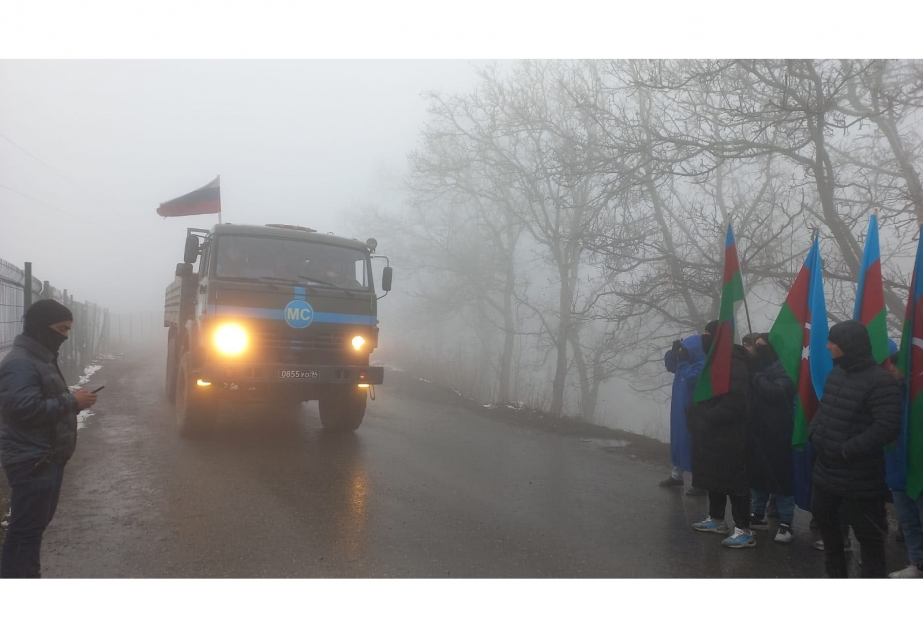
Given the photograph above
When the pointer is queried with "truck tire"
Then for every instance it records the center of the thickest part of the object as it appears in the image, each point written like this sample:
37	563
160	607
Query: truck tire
196	411
342	408
171	367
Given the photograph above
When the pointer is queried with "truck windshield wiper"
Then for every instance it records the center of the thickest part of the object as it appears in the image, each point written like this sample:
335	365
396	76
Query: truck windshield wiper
328	284
270	280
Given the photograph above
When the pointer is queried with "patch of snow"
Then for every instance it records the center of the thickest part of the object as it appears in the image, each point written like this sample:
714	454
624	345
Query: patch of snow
606	443
82	417
390	368
426	381
88	373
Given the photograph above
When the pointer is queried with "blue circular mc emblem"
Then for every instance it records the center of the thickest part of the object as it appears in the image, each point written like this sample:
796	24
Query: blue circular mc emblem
298	314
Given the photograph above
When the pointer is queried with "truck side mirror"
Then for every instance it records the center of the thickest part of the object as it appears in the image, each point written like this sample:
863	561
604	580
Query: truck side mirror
386	278
183	269
192	249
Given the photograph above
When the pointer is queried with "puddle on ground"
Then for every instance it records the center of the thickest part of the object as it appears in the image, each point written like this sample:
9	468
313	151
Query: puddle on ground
606	444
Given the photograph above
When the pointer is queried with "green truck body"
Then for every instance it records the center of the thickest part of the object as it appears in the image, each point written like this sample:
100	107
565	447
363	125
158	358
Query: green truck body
273	314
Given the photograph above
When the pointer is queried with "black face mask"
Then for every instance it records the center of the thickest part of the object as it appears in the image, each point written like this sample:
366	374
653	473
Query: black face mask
706	343
765	354
847	362
46	336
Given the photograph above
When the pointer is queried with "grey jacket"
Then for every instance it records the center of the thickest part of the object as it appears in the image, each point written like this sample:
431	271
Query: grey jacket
36	406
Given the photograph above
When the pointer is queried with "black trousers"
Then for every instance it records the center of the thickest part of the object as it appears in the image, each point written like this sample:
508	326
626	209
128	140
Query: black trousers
740	508
33	504
869	523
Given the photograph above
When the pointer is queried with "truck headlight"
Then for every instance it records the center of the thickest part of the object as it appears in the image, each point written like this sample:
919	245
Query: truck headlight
231	339
358	342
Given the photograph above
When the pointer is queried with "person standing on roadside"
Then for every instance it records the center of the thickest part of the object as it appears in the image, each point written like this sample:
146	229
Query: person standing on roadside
718	427
38	432
859	414
685	361
769	461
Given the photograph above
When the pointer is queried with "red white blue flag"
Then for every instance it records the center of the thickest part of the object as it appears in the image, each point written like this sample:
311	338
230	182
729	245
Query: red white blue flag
205	200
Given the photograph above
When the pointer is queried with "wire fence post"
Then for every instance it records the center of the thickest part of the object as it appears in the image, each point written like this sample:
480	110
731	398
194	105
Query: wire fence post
27	287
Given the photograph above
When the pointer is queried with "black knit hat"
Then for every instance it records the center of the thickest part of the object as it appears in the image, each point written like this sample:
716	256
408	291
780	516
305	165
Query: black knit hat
712	327
46	313
852	338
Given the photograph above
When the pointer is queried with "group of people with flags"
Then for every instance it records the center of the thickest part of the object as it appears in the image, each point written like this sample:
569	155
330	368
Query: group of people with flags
828	419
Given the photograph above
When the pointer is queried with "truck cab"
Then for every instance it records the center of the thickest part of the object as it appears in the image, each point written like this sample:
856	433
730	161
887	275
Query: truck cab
273	314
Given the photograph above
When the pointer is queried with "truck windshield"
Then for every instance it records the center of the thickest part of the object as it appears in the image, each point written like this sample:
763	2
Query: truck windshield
255	257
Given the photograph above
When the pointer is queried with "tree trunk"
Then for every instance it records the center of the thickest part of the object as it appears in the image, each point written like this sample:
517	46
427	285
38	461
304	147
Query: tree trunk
509	343
560	370
485	351
565	323
582	373
509	315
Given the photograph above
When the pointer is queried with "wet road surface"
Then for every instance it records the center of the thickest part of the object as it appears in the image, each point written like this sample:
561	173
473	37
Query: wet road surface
423	489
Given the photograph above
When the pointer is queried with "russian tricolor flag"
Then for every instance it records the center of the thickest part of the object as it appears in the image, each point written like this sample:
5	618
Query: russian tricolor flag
205	200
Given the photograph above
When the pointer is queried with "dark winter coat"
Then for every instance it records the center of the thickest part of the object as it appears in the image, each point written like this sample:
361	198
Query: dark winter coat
38	414
860	413
896	457
687	369
772	420
718	428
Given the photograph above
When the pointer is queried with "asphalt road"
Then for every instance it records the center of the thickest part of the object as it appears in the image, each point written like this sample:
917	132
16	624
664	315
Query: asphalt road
426	488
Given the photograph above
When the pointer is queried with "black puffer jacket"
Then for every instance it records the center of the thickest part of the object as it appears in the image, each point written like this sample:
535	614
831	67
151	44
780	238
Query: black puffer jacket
718	430
860	413
772	407
38	414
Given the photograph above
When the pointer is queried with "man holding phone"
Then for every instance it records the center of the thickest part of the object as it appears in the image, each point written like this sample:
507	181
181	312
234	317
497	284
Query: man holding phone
38	432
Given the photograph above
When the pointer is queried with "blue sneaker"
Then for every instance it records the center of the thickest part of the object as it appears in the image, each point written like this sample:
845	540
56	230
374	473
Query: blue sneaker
739	539
711	525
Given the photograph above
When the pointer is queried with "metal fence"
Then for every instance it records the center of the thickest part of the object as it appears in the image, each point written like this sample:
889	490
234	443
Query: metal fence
89	337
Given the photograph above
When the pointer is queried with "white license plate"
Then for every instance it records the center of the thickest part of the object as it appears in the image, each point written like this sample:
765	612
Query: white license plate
297	374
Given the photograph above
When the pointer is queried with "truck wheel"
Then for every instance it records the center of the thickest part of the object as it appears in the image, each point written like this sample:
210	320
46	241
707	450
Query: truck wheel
171	367
196	412
343	408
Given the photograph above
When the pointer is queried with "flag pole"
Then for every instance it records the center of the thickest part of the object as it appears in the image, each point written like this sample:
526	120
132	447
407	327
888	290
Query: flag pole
219	199
746	308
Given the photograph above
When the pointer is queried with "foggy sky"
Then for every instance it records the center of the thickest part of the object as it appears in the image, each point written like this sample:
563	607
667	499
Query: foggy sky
294	142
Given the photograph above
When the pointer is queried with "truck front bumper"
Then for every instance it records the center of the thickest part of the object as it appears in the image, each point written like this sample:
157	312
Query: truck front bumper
278	375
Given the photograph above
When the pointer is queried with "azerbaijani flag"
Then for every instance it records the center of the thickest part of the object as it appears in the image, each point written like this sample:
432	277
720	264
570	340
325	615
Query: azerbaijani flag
910	363
870	308
715	378
799	337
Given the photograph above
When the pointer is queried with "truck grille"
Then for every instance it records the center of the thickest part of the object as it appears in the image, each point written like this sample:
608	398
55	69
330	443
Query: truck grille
318	348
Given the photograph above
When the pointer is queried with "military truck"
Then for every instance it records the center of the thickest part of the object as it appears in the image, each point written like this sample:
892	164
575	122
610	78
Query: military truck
276	314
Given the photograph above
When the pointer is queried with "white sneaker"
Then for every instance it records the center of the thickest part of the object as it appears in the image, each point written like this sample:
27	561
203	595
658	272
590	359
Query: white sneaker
785	534
910	571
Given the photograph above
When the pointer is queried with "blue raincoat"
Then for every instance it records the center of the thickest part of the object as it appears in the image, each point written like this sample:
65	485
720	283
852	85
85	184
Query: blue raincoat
686	377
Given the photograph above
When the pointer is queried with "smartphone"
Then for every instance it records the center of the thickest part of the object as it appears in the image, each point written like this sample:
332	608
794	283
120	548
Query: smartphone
98	389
